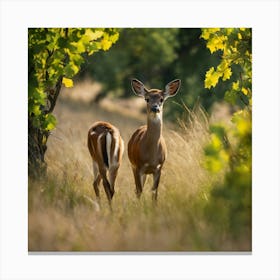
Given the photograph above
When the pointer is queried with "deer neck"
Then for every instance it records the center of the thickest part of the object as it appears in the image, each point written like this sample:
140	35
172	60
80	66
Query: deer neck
154	129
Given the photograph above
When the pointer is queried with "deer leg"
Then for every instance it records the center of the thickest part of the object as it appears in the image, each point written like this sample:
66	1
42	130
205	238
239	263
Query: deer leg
96	180
95	186
106	184
156	176
107	188
113	171
143	180
138	182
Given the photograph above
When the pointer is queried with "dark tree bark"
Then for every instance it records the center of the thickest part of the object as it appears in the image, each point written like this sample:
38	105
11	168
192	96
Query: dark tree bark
37	137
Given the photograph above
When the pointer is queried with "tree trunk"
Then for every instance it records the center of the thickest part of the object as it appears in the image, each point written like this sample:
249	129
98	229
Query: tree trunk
37	147
37	137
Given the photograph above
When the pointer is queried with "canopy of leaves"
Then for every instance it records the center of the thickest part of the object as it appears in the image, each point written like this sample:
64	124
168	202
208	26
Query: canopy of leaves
235	47
55	56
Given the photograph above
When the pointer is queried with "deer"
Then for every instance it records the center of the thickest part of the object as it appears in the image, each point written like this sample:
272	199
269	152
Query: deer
106	148
146	148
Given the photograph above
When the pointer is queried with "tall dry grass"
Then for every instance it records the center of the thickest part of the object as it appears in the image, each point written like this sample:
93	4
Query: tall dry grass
64	215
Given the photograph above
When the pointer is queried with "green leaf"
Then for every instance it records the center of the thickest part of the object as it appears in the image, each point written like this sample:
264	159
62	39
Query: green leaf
224	69
211	78
244	91
35	110
93	47
39	96
71	69
216	43
106	44
231	97
50	122
208	32
235	86
67	82
93	35
80	46
227	74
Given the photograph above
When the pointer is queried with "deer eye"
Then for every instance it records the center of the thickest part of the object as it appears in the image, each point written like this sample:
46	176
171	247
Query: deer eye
161	100
147	99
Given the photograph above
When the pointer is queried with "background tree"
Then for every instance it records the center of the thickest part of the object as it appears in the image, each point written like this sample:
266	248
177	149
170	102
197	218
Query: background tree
54	58
156	56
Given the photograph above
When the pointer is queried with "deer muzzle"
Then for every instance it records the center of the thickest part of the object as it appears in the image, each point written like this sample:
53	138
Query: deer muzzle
155	109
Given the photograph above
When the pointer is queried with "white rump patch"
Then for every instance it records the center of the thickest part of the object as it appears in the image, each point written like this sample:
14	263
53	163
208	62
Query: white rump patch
108	147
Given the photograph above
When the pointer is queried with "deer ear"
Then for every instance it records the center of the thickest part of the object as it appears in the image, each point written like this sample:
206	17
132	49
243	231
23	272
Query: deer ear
172	88
138	87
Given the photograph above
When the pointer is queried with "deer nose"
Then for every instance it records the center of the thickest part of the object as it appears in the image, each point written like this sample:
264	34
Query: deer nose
155	109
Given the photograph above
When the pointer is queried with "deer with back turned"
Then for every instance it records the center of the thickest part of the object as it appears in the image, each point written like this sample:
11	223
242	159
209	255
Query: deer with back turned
106	148
146	147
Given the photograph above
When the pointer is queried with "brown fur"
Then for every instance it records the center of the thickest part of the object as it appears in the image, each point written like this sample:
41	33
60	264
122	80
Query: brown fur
146	147
102	161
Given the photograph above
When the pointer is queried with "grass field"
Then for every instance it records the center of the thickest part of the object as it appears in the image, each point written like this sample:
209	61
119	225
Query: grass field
64	214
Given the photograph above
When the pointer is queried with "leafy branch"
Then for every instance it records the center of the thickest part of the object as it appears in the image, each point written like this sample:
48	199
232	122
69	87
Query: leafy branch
233	196
55	57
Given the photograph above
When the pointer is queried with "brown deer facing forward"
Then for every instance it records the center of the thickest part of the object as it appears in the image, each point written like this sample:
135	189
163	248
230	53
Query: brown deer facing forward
106	149
146	147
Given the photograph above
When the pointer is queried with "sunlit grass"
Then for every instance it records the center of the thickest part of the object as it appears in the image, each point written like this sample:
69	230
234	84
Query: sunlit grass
64	214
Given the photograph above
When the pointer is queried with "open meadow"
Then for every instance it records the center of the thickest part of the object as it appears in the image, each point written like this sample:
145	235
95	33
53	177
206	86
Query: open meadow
65	216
